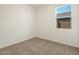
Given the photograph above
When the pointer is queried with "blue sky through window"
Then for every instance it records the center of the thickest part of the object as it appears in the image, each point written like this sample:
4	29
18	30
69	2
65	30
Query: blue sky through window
66	8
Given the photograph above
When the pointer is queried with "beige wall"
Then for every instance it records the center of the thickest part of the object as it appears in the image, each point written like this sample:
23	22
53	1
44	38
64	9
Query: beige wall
22	22
47	26
17	23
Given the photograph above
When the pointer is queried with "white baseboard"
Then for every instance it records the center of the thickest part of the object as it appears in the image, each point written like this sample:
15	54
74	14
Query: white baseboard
15	42
76	46
27	38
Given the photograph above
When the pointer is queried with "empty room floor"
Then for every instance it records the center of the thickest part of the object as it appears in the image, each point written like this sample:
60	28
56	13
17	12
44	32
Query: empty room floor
38	46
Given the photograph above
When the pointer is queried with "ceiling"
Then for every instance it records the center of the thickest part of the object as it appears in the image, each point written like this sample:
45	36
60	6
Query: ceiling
38	5
42	5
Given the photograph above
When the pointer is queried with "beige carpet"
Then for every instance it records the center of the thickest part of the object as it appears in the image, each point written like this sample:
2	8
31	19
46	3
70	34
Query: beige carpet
37	46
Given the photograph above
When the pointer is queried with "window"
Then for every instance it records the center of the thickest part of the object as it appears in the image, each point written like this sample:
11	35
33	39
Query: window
63	16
